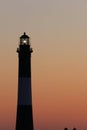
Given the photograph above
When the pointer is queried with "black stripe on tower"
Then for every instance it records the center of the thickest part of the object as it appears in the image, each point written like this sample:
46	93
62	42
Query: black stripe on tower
25	61
24	118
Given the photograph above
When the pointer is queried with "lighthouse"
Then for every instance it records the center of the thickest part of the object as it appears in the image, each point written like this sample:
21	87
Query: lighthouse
24	119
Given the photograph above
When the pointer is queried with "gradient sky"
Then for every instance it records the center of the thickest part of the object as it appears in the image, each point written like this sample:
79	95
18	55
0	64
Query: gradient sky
58	31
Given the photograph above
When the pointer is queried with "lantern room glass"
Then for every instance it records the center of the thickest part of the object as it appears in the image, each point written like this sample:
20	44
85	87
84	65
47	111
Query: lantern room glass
24	41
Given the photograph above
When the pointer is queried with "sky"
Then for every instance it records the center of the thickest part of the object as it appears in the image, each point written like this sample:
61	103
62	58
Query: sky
58	35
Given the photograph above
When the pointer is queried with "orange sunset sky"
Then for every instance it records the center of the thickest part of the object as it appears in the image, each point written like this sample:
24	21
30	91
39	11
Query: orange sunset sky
58	32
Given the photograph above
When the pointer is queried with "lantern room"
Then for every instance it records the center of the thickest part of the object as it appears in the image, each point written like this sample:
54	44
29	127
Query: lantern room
24	39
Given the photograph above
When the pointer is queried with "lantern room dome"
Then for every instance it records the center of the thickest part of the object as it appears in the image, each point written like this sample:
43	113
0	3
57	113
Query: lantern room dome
24	36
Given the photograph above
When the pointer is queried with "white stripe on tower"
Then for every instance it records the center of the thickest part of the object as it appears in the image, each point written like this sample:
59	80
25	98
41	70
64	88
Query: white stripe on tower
24	91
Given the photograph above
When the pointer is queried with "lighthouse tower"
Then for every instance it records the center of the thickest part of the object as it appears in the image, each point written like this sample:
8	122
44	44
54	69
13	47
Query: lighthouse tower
24	120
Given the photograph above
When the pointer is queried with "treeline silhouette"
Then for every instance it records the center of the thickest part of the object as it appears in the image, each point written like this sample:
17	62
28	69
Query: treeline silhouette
67	129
